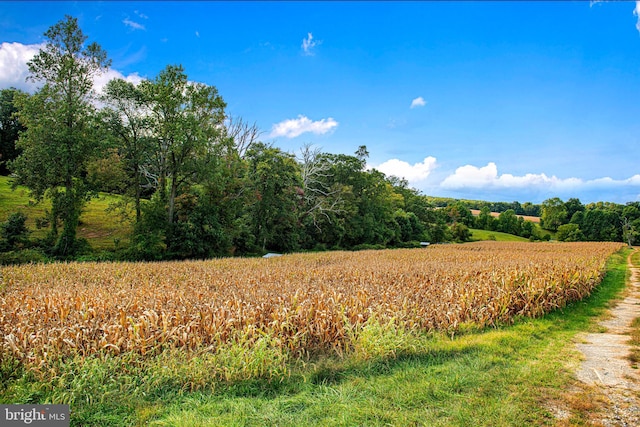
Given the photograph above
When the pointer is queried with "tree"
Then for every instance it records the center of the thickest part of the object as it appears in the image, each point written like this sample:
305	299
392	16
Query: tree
554	214
10	127
60	136
275	181
127	117
573	205
569	233
321	198
460	232
14	231
508	222
458	212
188	119
484	221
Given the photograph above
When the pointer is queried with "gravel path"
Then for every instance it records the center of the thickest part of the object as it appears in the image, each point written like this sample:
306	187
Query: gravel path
606	367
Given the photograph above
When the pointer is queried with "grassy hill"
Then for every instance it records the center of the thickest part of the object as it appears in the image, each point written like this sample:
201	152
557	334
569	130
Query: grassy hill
99	227
477	235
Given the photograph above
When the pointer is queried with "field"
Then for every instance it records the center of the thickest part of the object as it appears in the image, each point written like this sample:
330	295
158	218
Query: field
535	219
477	235
305	303
395	337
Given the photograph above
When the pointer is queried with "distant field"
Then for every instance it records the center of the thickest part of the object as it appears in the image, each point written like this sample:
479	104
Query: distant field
98	226
477	234
535	219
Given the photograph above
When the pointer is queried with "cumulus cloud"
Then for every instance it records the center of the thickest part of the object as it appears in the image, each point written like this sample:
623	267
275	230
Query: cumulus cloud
133	25
485	183
14	69
412	173
291	128
636	12
308	44
418	102
101	80
13	64
487	177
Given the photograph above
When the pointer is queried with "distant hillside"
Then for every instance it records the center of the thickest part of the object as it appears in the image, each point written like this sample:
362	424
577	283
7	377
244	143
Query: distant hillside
535	219
101	228
494	235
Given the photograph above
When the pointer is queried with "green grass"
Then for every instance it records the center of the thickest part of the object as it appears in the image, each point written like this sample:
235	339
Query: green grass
477	235
99	227
506	376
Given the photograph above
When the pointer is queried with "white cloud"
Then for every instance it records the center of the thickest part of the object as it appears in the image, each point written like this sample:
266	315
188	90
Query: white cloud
308	44
14	69
13	64
100	81
140	14
636	12
412	173
294	127
418	102
487	177
133	25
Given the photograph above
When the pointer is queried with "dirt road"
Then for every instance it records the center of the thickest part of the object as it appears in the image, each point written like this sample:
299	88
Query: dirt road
606	368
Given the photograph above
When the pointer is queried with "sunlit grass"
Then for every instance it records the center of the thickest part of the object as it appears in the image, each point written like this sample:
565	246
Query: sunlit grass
101	228
477	234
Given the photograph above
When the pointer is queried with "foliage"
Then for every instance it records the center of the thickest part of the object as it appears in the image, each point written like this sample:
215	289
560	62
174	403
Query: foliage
460	232
14	232
60	136
569	233
554	214
24	256
10	127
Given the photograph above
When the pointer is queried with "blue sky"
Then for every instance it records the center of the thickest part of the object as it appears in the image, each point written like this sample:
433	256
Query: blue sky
496	101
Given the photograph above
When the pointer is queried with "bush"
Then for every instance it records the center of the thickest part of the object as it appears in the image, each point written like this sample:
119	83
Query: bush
14	231
569	233
24	256
460	232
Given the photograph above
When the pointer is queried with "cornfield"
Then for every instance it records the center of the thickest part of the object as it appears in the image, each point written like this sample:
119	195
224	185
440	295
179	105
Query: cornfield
303	302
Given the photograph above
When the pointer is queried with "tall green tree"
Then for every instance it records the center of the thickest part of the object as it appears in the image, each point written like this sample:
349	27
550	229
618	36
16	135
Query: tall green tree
127	117
10	127
60	136
188	121
508	222
554	214
275	179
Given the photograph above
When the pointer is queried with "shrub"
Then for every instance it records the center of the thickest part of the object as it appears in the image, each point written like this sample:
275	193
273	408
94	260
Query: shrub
24	256
14	232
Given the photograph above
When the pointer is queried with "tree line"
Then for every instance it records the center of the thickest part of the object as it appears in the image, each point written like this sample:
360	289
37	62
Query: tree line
196	183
